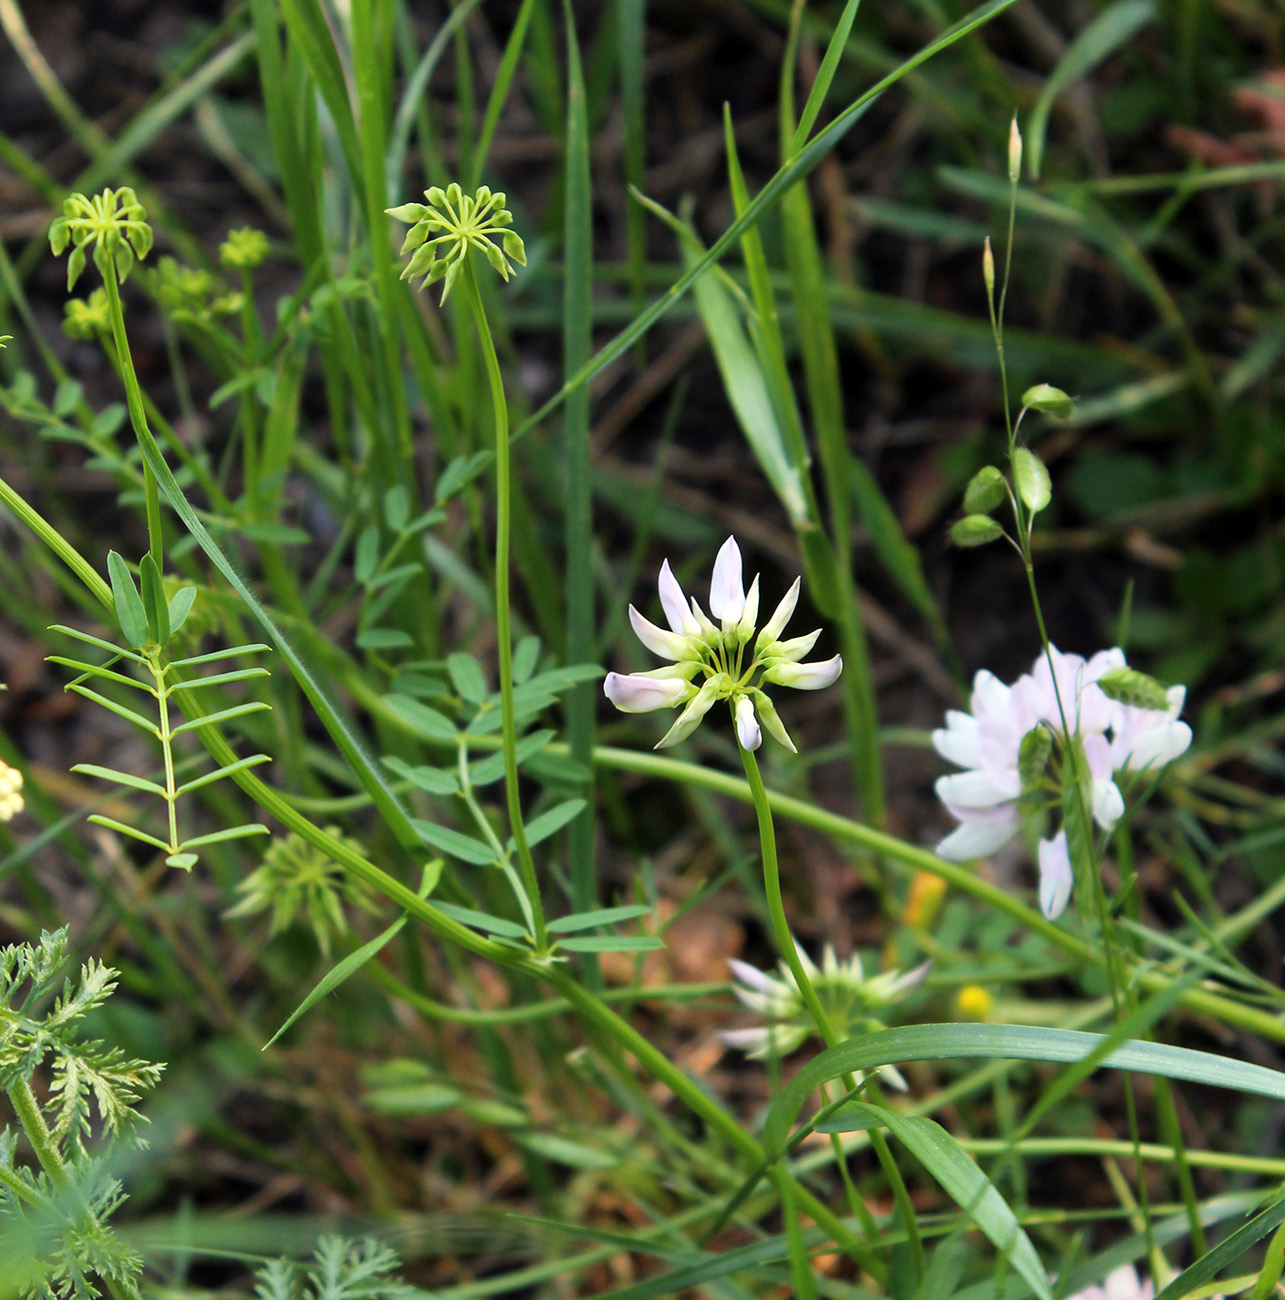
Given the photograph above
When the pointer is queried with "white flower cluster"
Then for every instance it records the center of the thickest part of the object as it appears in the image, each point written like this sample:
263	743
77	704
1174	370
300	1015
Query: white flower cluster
718	654
1121	1284
10	792
1114	737
845	992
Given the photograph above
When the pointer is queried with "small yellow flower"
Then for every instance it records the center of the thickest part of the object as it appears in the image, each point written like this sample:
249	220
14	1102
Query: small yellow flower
973	1002
10	792
926	893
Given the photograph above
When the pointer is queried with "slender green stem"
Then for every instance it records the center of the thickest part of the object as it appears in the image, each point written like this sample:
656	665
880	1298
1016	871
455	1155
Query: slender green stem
790	954
1121	1002
137	414
503	625
166	739
785	944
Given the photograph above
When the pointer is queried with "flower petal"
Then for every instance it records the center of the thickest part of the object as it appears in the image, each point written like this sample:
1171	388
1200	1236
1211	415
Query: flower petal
790	651
769	717
1158	746
748	731
978	789
979	836
806	677
726	591
960	740
749	615
674	603
1055	876
668	645
632	693
775	625
1108	802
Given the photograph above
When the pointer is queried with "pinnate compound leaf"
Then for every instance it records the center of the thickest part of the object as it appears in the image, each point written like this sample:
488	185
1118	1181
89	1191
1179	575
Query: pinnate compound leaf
154	603
129	604
453	843
599	916
181	607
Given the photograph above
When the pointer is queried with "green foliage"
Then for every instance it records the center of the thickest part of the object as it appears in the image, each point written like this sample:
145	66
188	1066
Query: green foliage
975	530
55	1221
301	884
149	623
339	1270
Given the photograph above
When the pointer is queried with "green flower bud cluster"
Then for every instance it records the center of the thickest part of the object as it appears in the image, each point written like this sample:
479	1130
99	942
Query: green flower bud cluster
244	249
85	319
113	223
442	232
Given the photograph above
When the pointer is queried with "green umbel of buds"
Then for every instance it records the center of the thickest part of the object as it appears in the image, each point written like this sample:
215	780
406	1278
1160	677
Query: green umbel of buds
243	249
85	319
442	232
112	222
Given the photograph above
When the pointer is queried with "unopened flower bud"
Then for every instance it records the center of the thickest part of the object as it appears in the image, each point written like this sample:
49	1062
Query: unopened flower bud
1014	152
988	267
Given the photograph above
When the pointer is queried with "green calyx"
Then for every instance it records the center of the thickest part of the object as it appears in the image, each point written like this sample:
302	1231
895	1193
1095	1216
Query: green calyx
443	230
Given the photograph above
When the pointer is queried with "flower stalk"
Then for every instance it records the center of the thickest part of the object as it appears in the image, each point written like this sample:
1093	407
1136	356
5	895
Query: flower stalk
503	618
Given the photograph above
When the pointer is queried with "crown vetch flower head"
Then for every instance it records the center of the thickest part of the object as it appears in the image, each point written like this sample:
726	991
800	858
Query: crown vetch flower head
112	222
849	996
1117	718
709	658
443	230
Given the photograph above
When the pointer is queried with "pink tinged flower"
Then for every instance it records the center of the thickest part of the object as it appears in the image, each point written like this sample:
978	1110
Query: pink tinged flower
775	625
1121	1284
668	645
1085	705
805	677
726	590
747	726
678	612
635	693
1055	876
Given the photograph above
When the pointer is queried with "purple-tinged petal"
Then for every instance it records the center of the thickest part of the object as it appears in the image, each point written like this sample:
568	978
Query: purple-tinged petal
1055	876
631	693
668	645
775	625
726	590
674	603
806	677
748	731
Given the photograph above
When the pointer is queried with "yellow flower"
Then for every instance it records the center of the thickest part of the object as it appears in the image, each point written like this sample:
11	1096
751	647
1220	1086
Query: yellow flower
10	792
973	1002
